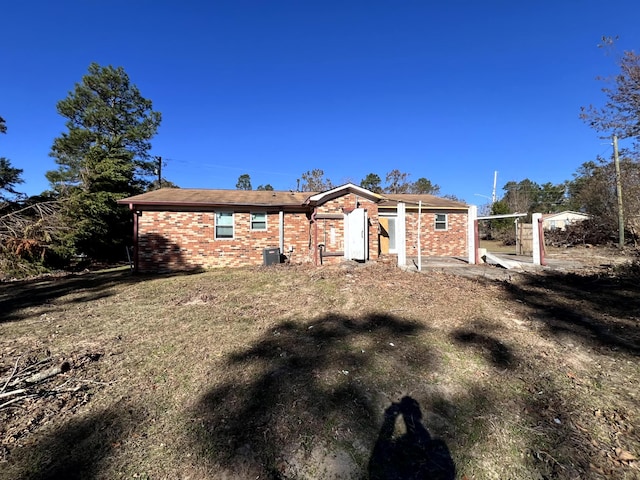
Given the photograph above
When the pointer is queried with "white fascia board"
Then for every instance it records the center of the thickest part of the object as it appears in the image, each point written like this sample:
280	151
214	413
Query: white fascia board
341	190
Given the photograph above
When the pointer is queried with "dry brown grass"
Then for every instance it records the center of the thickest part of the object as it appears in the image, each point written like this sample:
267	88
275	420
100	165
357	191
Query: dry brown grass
286	372
497	246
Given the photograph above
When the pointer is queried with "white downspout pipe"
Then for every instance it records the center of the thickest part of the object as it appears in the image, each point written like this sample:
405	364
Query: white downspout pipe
281	230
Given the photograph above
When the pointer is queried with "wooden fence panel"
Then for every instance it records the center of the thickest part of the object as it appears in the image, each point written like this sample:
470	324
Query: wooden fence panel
524	240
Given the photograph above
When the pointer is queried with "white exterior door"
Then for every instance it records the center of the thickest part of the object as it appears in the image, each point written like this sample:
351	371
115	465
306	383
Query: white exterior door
356	235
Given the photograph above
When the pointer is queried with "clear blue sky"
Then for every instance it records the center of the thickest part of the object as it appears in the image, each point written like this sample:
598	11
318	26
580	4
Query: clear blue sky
449	90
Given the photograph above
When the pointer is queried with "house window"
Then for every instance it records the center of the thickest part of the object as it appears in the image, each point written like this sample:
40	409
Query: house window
441	221
259	221
224	225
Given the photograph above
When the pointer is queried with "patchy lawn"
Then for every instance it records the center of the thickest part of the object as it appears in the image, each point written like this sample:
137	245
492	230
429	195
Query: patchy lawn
334	372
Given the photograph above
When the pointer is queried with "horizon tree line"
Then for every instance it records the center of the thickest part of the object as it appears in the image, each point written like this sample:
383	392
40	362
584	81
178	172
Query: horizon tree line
104	155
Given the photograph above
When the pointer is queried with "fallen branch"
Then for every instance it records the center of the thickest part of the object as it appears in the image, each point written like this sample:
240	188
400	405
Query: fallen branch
6	404
35	365
18	377
12	393
26	383
77	388
15	369
94	382
51	372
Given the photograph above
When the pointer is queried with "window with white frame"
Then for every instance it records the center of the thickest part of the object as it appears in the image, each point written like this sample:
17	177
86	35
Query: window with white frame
441	221
259	221
224	225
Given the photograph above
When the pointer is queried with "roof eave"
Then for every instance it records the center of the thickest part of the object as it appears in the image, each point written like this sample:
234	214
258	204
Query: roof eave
414	206
134	204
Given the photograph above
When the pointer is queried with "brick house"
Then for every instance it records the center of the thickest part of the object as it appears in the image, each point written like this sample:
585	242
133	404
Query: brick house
178	229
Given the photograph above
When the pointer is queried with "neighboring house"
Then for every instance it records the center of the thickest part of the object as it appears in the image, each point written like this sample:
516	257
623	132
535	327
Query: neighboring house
552	221
185	228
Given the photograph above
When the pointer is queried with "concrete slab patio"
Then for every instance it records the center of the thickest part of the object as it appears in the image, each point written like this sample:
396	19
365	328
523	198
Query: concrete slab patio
459	266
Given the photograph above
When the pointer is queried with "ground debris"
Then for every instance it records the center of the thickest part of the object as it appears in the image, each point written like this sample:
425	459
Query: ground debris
38	387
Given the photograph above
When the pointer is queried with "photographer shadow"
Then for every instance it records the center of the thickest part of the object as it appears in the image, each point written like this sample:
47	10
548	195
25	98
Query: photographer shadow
413	455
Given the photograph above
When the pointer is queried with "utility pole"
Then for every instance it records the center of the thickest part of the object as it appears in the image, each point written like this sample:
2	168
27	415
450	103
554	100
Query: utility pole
493	193
619	192
159	159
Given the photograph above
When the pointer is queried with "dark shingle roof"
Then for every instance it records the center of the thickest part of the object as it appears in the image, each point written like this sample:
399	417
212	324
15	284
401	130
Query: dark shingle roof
203	198
189	197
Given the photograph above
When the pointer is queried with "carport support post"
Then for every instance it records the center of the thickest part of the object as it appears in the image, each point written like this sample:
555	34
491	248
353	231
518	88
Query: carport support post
536	220
472	221
401	234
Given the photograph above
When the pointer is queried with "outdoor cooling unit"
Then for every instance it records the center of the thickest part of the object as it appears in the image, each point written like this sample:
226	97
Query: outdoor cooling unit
271	256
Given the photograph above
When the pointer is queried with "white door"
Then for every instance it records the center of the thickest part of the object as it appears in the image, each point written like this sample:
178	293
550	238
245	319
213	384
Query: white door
356	235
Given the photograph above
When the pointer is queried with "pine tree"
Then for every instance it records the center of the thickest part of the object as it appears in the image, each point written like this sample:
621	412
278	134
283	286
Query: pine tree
424	185
9	175
244	182
103	157
372	183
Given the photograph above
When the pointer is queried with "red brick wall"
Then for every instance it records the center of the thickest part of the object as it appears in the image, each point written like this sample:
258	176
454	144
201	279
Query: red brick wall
330	231
438	243
173	240
183	240
298	234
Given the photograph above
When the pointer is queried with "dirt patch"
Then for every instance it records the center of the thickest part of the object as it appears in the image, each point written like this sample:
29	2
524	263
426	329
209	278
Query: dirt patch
294	371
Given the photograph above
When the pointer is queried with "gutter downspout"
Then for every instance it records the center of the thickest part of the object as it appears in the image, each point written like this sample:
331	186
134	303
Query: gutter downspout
281	227
315	235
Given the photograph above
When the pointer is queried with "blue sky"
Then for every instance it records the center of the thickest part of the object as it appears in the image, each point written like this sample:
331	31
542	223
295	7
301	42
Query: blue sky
448	90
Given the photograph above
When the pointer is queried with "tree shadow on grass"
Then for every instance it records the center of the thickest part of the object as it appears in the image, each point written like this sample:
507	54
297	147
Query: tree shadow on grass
18	295
80	449
596	310
478	335
307	396
543	403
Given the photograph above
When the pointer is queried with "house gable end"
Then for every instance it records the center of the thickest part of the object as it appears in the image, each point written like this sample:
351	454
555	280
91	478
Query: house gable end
347	188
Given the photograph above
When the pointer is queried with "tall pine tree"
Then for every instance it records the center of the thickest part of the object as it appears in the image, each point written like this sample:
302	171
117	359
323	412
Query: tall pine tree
9	176
104	156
